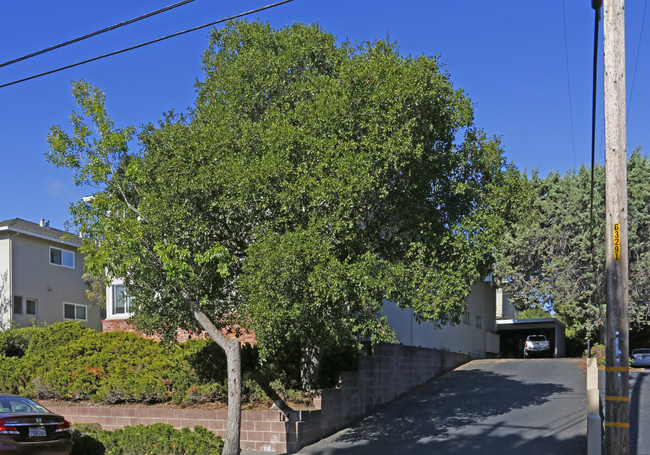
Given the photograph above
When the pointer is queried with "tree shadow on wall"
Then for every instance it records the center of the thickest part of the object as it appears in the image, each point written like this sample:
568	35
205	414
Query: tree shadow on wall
430	420
5	302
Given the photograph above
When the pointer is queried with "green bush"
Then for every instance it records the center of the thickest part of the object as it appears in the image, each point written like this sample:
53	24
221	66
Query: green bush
598	351
55	336
13	375
14	342
66	361
156	439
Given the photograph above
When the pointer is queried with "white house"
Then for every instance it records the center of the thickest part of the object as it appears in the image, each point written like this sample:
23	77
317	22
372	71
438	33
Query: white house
476	334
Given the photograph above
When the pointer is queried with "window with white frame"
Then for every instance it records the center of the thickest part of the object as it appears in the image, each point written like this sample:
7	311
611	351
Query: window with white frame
121	300
31	307
61	257
466	317
479	322
75	312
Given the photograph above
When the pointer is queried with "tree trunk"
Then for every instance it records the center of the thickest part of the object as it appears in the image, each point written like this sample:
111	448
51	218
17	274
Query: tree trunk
232	348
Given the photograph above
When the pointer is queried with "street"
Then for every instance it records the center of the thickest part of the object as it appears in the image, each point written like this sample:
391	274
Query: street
486	407
639	409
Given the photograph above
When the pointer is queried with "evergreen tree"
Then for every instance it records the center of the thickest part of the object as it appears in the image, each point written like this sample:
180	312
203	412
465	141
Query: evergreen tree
555	259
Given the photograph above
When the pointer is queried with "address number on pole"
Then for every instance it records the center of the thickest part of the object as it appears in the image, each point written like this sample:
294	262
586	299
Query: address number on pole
617	242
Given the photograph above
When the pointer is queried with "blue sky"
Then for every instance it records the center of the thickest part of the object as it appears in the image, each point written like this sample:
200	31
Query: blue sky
527	73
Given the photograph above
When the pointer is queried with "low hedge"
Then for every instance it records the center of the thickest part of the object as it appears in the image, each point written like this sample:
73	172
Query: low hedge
156	439
66	361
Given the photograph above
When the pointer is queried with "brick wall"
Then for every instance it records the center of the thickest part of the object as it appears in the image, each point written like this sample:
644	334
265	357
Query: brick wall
391	371
260	430
234	332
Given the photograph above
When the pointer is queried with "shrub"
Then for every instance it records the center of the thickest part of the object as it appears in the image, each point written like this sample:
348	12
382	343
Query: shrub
113	367
156	439
598	351
53	337
66	361
86	439
14	342
13	376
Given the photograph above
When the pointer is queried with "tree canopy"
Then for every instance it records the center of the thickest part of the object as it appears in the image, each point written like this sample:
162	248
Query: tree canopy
311	181
554	259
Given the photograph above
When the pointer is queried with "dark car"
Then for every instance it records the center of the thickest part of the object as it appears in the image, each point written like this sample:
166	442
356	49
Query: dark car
27	427
641	357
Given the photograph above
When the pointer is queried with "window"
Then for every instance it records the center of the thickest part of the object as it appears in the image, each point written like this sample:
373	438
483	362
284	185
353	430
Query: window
466	317
61	257
30	307
18	304
121	300
75	312
479	322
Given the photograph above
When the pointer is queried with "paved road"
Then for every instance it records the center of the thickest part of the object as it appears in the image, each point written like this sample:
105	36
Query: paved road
504	407
639	410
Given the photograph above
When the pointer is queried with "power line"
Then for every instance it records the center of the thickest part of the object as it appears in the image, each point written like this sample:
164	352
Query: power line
137	46
636	61
596	5
98	32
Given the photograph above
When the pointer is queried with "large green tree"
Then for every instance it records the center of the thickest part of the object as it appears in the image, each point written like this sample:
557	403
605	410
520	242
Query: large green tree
555	259
310	182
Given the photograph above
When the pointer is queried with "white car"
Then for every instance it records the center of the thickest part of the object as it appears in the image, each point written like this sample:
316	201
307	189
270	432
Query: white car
537	345
641	357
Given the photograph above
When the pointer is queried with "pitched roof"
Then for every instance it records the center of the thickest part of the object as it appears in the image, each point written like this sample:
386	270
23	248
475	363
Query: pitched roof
36	230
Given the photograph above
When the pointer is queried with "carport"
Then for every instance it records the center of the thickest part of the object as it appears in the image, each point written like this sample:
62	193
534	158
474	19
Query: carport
513	333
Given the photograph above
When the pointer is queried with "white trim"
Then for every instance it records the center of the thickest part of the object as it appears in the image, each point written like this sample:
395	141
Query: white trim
75	305
41	236
110	300
35	315
49	257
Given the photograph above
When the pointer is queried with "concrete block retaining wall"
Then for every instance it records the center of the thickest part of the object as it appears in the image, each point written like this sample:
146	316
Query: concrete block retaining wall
391	371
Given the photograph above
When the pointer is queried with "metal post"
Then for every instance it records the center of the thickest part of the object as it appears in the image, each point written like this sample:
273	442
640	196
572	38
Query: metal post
617	407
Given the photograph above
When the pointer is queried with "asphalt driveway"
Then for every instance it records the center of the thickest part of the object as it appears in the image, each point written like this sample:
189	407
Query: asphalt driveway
486	407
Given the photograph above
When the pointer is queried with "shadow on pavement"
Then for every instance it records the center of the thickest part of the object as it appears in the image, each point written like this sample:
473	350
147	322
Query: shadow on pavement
459	414
635	407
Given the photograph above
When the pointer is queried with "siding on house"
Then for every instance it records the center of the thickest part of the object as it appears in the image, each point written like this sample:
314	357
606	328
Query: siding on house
42	290
474	335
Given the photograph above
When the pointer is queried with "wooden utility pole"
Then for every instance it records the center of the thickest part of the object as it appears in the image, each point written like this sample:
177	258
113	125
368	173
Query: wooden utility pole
617	404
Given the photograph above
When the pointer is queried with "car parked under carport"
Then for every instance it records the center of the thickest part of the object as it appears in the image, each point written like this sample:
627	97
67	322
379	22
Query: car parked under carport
513	334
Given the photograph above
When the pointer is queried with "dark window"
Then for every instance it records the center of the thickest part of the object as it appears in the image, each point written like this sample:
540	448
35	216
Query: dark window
18	304
74	311
61	257
30	307
68	311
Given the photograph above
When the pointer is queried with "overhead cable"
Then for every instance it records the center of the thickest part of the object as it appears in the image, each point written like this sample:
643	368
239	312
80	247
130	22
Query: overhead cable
98	32
596	5
636	61
137	46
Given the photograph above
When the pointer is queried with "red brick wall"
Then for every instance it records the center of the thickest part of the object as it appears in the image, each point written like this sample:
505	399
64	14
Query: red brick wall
234	332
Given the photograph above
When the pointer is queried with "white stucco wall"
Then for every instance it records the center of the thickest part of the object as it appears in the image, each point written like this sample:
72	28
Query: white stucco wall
504	309
461	337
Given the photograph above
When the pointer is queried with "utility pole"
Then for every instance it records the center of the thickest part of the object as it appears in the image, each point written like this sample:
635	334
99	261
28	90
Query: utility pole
617	394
